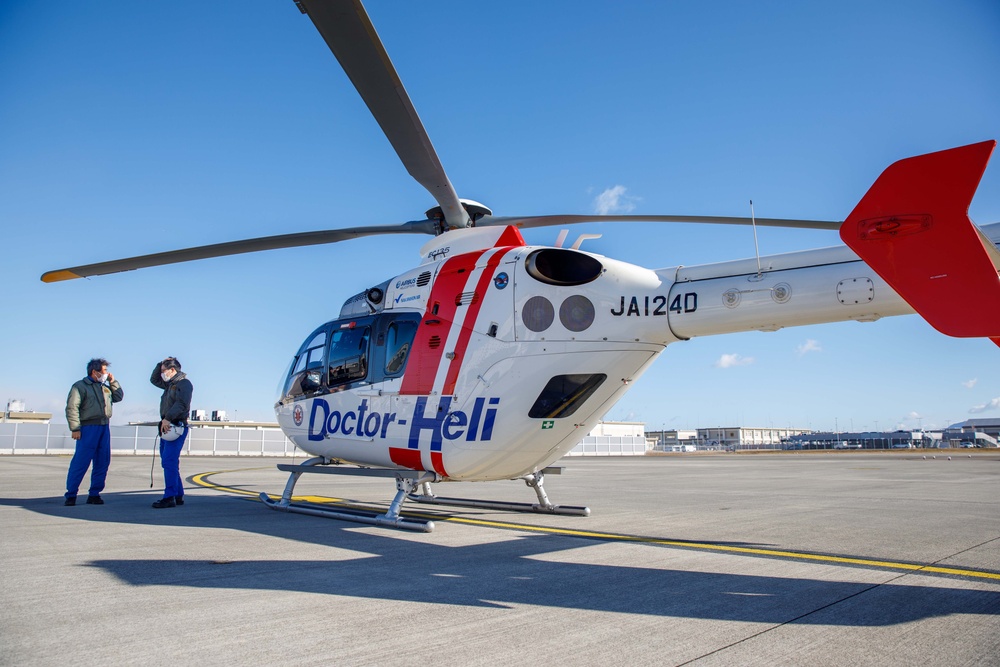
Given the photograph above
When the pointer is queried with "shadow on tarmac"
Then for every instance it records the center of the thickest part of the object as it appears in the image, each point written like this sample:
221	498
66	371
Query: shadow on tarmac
497	574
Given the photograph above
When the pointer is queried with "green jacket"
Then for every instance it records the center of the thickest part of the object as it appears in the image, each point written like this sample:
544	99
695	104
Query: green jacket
90	402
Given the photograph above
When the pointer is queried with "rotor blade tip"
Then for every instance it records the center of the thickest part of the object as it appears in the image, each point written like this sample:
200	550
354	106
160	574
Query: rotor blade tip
56	276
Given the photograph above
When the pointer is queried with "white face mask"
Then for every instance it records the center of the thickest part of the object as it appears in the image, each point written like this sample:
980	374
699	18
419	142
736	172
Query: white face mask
165	376
103	378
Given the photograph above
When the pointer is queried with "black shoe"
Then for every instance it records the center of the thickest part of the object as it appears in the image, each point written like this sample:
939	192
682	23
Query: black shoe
70	502
95	500
165	502
179	500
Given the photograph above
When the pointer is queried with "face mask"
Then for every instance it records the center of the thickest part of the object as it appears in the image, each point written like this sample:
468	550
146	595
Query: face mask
103	378
165	377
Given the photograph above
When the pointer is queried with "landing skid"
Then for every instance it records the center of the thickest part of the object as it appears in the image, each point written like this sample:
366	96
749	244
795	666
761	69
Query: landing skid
412	485
391	518
534	480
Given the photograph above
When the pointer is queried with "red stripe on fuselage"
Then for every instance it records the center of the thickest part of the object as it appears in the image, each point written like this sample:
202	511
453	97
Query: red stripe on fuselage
422	367
408	458
469	322
437	461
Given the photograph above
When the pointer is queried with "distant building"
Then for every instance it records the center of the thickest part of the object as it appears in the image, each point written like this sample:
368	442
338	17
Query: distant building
737	438
978	432
866	440
728	438
16	413
674	440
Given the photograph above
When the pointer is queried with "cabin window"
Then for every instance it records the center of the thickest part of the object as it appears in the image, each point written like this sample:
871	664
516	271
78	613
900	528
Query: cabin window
564	394
308	359
348	355
306	375
398	341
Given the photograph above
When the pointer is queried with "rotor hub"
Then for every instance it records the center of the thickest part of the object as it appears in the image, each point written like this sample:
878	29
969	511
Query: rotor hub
473	208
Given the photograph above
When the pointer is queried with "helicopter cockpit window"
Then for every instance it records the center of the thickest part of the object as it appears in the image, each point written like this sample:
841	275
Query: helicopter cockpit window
306	375
348	355
564	394
398	341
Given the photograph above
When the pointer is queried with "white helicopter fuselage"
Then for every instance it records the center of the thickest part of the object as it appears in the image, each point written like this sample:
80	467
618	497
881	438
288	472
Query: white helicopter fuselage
493	359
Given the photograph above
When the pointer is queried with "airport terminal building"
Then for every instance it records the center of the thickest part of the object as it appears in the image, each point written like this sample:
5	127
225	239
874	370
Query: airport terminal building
728	438
973	433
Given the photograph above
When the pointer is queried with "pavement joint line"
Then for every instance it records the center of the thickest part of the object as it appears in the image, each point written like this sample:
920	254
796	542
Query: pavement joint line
201	479
793	620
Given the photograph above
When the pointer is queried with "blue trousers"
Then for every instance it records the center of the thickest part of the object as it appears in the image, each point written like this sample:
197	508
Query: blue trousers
94	446
170	459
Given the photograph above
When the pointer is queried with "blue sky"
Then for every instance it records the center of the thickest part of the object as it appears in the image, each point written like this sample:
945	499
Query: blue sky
128	128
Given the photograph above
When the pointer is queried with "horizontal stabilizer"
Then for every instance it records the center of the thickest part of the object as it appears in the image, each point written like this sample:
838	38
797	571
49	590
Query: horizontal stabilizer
913	229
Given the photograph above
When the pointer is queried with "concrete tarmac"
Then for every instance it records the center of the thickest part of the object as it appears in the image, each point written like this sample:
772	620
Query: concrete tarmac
846	558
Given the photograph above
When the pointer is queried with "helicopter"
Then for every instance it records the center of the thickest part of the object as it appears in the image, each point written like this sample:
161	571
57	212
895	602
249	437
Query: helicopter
492	358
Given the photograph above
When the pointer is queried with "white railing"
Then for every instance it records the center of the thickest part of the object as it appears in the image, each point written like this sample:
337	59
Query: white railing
26	438
611	445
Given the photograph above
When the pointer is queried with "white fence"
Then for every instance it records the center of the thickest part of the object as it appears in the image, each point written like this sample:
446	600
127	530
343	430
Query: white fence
611	445
26	438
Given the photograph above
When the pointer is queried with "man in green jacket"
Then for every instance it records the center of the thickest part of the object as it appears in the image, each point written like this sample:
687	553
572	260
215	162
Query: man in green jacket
88	413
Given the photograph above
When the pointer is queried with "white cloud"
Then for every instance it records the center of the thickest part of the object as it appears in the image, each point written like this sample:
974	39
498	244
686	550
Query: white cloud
731	360
614	200
910	421
992	405
809	346
969	384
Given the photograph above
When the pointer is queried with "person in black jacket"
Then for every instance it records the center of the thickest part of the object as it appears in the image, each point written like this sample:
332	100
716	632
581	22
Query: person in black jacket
175	406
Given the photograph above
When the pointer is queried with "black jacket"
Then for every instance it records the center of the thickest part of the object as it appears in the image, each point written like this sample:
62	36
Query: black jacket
175	404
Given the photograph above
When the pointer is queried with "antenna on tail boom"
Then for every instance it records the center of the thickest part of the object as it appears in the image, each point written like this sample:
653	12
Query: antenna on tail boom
756	248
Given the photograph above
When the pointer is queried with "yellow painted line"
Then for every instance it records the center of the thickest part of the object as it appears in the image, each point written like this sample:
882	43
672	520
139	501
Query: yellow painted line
775	553
202	480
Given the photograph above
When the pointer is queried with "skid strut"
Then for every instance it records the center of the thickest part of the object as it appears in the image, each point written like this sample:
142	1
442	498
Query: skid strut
534	480
404	486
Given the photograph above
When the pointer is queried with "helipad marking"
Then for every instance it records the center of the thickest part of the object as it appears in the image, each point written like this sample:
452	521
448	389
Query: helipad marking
202	480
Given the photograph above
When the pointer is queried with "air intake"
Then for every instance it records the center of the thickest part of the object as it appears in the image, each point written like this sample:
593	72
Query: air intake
565	268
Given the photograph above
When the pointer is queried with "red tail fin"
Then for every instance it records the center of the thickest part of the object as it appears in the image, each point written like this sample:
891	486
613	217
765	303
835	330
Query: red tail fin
913	229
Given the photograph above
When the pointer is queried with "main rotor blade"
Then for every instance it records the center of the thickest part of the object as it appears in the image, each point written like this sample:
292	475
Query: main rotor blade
349	33
237	248
528	222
